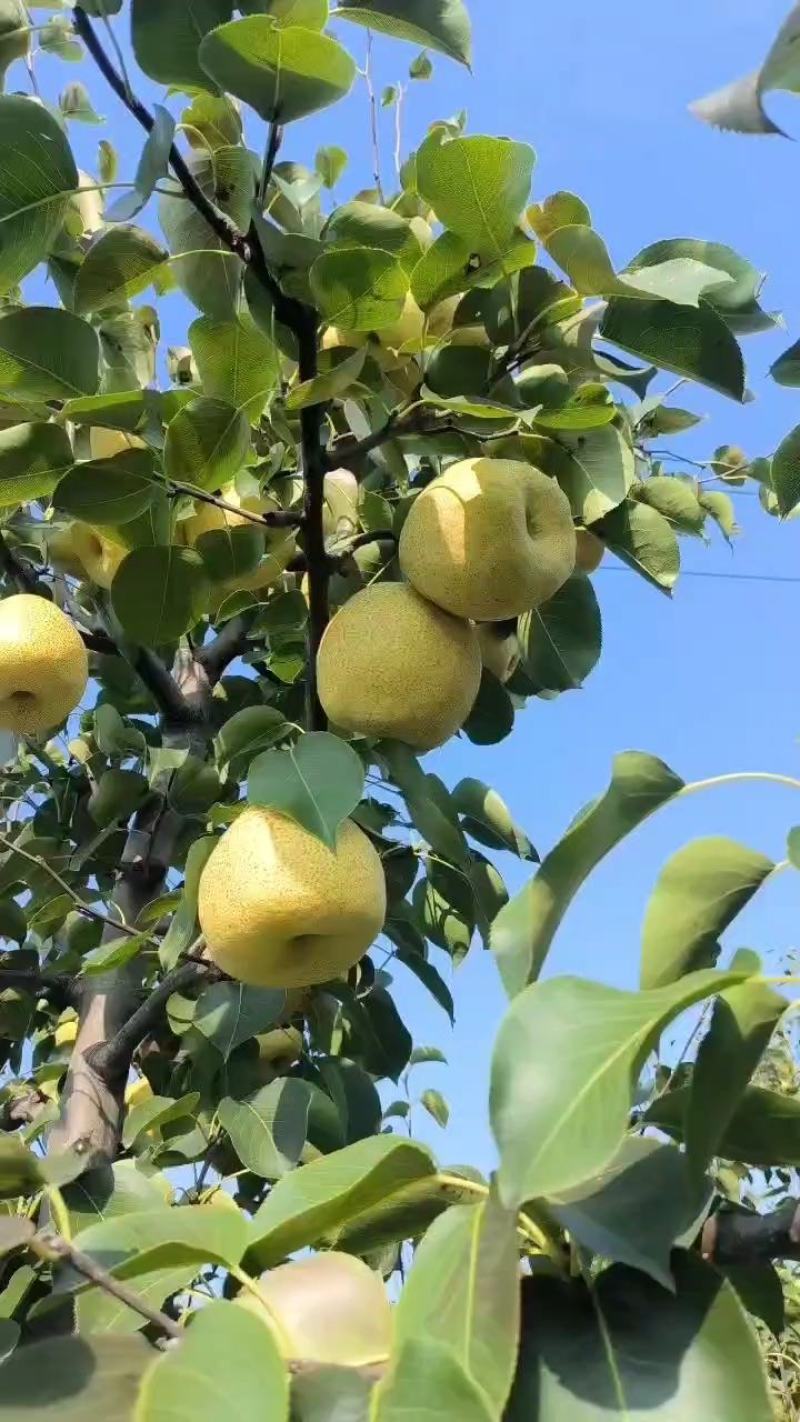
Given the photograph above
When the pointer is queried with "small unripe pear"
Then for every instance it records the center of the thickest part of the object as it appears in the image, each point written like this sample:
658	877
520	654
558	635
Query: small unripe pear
329	1308
43	665
280	1048
500	651
589	550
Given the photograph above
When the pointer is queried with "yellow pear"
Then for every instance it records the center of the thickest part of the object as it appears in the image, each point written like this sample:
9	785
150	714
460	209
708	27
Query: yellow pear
329	1308
489	539
104	444
408	328
208	518
280	909
589	550
62	551
340	512
500	651
392	664
99	555
440	326
66	1032
137	1092
280	1048
43	665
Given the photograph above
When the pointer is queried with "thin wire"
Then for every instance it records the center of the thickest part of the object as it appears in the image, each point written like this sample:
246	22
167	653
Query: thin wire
698	573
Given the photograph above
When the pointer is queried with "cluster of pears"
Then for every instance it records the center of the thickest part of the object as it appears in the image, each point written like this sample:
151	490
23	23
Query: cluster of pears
485	541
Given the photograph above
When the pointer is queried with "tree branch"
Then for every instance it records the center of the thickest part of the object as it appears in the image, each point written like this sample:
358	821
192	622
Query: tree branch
738	1237
52	1247
277	518
82	907
313	462
274	140
229	644
112	1059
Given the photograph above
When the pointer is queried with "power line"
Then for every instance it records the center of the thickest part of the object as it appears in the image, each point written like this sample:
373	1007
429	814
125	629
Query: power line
699	573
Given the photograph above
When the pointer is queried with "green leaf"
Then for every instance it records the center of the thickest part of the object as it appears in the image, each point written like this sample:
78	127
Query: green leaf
318	782
328	386
743	1022
641	537
677	499
421	67
230	1013
739	106
331	163
73	1379
284	73
366	224
427	1370
155	1112
32	460
135	1244
693	343
477	187
488	819
359	289
206	444
113	736
436	1106
623	1346
309	14
47	354
19	1168
451	265
463	1292
114	954
15	35
203	265
108	491
492	716
596	471
158	593
442	25
227	1364
561	209
558	1129
763	1131
115	796
229	553
331	1394
332	1192
582	254
785	472
699	893
123	262
760	1289
166	38
634	1210
183	924
736	299
13	923
153	165
37	180
562	639
9	1331
786	369
236	363
248	731
74	103
793	846
268	1130
525	928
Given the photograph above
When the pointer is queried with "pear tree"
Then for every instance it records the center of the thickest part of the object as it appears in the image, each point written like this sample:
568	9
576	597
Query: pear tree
247	583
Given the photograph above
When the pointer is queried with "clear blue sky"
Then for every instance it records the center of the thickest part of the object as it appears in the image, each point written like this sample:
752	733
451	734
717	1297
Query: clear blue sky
709	681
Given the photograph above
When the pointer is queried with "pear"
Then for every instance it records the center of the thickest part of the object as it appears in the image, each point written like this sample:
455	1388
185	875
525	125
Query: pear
489	539
340	511
66	1032
104	444
43	665
328	1308
138	1092
392	664
280	1048
500	650
99	555
280	909
589	550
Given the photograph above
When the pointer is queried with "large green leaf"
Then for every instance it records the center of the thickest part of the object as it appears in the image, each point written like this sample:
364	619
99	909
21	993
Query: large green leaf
556	1129
111	1191
37	178
231	1013
32	460
736	299
206	444
623	1346
596	470
582	254
133	1244
742	1024
739	106
643	539
74	1379
699	893
48	354
227	1365
477	187
268	1130
764	1129
108	491
366	224
236	362
525	928
318	782
634	1210
488	819
159	593
463	1292
283	72
695	343
436	24
203	265
253	729
359	288
166	38
785	472
326	1197
121	263
561	640
156	1111
183	924
427	1378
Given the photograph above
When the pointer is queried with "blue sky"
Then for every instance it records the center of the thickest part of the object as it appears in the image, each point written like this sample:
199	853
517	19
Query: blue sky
709	681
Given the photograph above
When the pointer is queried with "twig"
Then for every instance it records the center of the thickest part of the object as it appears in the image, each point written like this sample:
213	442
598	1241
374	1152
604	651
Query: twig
738	1237
398	133
229	644
53	1247
59	987
373	118
82	907
277	518
313	462
378	535
347	451
274	140
111	1059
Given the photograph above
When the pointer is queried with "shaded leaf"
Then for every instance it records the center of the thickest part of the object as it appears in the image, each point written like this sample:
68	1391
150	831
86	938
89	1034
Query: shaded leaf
158	593
429	1370
33	457
692	342
442	25
488	819
236	362
37	180
785	472
155	1112
561	640
644	540
328	386
268	1130
206	444
123	262
231	1013
764	1129
183	924
108	491
596	471
166	37
73	1379
359	289
317	783
152	166
47	353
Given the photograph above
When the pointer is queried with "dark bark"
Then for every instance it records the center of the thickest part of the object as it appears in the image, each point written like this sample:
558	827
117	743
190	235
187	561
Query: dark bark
738	1237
